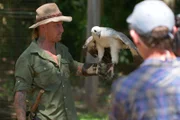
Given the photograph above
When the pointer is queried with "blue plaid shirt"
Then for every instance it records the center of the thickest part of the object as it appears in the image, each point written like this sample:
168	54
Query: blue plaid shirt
152	92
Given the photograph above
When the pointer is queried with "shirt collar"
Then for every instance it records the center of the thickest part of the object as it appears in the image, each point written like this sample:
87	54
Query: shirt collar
34	48
158	62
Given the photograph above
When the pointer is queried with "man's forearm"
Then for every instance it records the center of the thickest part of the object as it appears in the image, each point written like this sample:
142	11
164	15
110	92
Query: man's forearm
20	105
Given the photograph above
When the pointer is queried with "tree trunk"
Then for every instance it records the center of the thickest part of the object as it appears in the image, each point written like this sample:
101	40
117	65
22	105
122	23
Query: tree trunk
91	83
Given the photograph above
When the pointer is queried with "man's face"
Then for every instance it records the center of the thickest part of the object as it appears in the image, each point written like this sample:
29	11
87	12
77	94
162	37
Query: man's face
54	31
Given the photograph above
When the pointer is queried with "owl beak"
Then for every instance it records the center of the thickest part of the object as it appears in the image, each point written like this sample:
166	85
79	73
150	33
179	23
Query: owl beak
99	34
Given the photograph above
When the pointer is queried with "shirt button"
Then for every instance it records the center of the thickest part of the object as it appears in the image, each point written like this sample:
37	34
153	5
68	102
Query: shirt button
64	97
63	85
66	108
44	68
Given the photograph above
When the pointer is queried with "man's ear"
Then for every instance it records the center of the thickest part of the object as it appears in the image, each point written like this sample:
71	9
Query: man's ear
134	36
175	29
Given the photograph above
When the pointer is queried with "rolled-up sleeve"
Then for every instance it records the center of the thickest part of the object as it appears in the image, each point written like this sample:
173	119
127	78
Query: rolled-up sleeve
23	75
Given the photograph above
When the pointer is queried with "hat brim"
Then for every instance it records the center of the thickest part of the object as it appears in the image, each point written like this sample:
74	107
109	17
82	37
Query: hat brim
54	19
129	19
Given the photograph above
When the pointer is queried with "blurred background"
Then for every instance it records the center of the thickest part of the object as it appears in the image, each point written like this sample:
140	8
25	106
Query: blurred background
91	94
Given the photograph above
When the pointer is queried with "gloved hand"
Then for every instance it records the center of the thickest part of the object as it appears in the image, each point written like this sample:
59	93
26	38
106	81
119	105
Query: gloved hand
100	69
89	69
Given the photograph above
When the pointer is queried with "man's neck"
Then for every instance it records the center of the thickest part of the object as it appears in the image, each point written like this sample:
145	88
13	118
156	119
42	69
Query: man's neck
46	45
161	54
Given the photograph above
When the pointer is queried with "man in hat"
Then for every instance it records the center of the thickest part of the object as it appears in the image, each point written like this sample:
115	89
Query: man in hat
152	91
46	65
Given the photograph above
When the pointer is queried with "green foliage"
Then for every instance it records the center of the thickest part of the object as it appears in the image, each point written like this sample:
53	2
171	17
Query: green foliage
125	56
177	8
14	32
115	13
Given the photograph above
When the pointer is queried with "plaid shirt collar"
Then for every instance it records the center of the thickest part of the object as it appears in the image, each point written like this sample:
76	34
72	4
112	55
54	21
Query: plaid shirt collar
159	62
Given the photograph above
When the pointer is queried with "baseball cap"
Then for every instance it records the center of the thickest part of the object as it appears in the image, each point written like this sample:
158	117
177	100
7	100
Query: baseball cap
150	14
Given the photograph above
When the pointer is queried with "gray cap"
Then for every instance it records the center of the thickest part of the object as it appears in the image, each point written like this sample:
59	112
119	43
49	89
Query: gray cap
150	14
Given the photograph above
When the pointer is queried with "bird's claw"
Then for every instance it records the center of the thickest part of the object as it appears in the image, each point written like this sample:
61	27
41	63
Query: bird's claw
106	71
111	71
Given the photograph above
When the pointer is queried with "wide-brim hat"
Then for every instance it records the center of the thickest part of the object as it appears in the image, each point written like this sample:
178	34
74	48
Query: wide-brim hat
49	13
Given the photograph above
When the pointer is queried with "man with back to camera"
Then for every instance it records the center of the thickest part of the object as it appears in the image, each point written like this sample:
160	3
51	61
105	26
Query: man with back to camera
152	91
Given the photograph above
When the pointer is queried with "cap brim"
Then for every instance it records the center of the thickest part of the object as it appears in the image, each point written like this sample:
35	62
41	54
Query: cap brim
54	19
129	19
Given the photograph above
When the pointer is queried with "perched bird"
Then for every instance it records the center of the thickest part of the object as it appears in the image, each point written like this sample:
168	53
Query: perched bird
104	37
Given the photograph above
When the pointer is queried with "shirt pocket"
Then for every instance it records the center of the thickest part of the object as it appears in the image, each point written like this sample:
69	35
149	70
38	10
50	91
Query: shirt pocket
44	74
65	68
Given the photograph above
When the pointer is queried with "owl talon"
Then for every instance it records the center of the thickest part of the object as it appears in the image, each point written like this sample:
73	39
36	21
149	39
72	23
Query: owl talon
111	70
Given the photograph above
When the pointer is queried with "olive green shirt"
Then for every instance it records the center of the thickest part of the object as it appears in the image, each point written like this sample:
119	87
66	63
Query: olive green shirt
36	70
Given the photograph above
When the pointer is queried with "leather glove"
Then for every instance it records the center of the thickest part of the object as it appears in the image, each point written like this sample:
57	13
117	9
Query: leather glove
89	69
100	69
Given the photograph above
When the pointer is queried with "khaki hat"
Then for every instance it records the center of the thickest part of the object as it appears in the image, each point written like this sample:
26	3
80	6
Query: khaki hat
49	13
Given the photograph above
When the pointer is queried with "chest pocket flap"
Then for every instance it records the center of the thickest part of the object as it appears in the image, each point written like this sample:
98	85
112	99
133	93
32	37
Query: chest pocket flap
44	74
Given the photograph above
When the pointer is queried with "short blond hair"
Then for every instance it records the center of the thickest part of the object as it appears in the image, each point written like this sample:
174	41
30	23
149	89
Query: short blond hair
35	33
